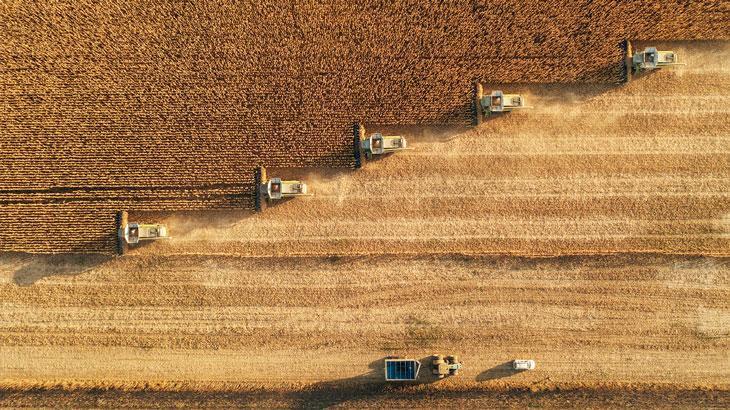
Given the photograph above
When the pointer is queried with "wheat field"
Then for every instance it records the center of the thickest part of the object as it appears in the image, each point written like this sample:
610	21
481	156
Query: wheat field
590	232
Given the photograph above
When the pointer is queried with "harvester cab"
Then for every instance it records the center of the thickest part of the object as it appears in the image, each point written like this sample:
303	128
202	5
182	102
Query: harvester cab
277	189
445	366
378	144
651	59
134	232
496	102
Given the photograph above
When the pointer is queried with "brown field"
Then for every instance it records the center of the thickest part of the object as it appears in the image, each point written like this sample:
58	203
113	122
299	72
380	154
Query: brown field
170	106
319	327
590	233
373	397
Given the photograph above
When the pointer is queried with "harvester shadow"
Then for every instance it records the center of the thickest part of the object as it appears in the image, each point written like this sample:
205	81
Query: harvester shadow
644	75
274	203
377	158
497	372
68	264
363	387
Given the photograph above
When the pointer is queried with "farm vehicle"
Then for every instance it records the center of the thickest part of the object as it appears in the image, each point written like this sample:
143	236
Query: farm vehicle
495	103
377	143
651	59
131	233
403	369
648	60
521	364
274	189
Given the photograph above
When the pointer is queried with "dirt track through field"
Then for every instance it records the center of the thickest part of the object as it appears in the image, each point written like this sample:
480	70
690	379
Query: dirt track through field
591	169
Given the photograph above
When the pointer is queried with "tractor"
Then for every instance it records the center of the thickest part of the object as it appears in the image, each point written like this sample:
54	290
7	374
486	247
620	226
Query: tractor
445	366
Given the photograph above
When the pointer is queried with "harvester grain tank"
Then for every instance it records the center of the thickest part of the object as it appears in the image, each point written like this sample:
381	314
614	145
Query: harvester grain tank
378	144
496	102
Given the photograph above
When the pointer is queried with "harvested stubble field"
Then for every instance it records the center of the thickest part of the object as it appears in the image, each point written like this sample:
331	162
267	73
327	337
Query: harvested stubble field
315	330
163	95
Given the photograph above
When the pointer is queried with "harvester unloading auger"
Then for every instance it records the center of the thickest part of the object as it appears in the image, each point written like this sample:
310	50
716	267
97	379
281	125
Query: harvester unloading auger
269	190
377	143
496	102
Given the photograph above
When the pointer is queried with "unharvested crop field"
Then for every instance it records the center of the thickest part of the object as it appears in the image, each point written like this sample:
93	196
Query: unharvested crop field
167	105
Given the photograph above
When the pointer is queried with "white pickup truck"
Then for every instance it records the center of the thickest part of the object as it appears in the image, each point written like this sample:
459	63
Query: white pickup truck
520	364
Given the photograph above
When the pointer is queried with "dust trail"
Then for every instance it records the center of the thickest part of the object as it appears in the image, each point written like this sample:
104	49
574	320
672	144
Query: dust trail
704	58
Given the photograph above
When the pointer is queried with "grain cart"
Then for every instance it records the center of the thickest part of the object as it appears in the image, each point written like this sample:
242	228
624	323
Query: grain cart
651	59
398	369
445	366
496	102
378	144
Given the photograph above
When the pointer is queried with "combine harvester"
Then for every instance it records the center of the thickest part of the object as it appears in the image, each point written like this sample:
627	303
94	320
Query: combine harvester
274	189
377	143
131	233
495	103
648	60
